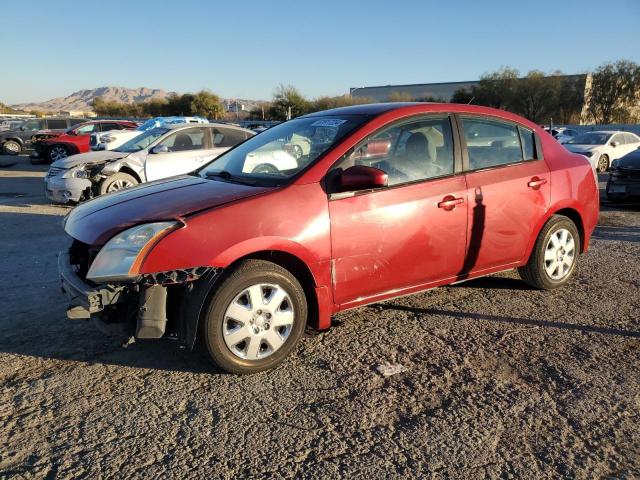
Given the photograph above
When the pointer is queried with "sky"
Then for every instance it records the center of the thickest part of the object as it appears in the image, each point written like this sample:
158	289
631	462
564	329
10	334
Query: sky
245	49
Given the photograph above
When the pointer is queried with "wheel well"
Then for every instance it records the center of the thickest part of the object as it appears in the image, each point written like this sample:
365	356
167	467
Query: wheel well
575	217
129	171
298	269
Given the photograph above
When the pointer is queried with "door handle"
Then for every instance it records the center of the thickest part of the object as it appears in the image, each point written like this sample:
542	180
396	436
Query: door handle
536	182
449	202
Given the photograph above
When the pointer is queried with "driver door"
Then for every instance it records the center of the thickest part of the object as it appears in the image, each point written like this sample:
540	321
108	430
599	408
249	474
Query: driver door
179	152
402	237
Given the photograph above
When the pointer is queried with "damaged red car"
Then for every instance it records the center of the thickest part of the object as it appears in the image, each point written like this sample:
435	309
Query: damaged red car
324	213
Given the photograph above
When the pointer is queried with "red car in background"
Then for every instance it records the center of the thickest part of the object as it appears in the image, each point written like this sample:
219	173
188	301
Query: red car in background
387	200
51	146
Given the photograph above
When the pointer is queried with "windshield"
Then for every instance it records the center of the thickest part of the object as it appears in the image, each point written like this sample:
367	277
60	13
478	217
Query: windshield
142	141
284	150
592	138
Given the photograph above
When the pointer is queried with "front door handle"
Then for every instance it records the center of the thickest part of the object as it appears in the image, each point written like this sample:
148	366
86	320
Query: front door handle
449	202
536	182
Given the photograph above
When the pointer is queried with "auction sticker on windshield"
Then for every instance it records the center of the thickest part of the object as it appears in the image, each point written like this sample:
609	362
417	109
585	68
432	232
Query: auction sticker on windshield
328	122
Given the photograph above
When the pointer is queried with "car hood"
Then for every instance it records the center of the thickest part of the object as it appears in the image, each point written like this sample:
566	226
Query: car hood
88	158
98	220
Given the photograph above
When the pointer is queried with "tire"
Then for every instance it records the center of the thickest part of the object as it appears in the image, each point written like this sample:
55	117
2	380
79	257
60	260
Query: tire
539	271
57	152
11	147
117	181
603	163
265	168
236	334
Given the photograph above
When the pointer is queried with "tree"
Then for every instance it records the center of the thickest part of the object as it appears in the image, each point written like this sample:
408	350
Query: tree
207	104
496	89
288	97
533	96
462	95
614	87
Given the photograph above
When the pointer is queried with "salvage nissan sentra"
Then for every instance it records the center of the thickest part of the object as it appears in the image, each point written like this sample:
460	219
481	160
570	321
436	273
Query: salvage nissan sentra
387	200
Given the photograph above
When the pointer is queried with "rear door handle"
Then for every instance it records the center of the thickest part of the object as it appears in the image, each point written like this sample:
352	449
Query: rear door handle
536	182
449	202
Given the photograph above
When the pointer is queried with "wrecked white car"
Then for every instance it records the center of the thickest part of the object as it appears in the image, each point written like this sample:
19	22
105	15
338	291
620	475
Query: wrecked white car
157	153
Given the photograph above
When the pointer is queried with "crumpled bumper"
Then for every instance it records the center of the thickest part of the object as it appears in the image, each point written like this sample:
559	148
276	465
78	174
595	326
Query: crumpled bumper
65	190
84	299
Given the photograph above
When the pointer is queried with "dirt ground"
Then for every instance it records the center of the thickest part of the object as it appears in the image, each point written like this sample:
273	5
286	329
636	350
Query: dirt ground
501	380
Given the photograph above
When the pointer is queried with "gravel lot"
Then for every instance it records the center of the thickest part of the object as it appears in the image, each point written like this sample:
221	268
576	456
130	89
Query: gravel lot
501	380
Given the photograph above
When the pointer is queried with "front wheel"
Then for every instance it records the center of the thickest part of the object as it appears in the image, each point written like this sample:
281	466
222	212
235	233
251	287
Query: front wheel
117	181
57	152
555	255
254	318
11	147
603	163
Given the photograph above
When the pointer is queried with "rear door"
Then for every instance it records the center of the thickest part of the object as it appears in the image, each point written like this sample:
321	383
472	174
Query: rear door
508	191
186	150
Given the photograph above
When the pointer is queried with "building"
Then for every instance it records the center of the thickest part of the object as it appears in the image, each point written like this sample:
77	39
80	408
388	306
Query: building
415	92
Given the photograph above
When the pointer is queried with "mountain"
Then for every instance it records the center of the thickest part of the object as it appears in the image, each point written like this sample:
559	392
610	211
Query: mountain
81	100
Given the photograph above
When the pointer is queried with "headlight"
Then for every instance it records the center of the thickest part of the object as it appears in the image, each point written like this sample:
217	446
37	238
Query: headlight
76	172
120	259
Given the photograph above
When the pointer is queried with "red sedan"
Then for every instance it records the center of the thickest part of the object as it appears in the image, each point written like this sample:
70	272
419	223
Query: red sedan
76	139
328	212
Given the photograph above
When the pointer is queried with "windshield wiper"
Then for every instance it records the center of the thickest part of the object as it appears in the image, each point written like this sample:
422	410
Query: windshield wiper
229	177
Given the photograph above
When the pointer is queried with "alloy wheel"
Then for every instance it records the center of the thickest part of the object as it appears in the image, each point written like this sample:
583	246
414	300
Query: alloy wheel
258	321
119	185
58	153
560	254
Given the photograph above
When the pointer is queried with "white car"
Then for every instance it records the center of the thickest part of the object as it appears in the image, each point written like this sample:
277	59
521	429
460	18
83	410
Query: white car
112	140
603	147
152	155
563	134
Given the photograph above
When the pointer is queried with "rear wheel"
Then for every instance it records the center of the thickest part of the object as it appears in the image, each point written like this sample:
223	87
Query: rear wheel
555	255
11	147
117	181
603	163
254	318
57	152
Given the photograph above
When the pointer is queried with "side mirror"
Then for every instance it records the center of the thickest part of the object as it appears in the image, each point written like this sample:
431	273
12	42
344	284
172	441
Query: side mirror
362	177
160	149
615	144
23	128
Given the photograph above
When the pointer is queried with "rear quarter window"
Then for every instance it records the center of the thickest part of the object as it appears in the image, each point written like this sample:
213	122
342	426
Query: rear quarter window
56	124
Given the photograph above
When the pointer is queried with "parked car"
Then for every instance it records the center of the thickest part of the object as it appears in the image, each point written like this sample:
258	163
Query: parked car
112	140
603	147
52	146
15	141
11	124
624	179
563	134
246	260
155	154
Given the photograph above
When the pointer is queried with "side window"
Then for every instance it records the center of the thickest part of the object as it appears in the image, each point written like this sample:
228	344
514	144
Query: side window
618	138
33	125
491	143
528	143
630	138
87	129
408	152
184	140
227	137
106	127
56	124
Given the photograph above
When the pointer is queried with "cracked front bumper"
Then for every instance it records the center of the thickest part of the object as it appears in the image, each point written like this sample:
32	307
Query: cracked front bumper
84	299
64	190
